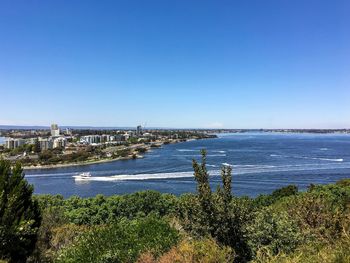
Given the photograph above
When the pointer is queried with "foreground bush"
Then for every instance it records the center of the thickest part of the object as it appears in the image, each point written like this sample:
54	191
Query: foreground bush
275	196
121	242
103	210
338	252
276	231
52	217
320	212
188	251
59	238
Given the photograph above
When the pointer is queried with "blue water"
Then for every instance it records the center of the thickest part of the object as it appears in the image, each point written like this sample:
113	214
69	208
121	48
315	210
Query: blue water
261	162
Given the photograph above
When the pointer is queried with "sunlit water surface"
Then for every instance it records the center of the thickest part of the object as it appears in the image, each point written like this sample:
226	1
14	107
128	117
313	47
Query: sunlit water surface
261	162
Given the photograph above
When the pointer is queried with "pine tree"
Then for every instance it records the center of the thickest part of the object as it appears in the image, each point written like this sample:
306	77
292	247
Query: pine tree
19	214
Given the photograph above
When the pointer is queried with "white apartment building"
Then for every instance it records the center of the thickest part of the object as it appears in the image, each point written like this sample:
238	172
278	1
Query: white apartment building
55	131
59	142
90	139
12	143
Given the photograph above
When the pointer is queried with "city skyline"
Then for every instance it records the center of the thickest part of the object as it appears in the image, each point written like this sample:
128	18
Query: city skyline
183	64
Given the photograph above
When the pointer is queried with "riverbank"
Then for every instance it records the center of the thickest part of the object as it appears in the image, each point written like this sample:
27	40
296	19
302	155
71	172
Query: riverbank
132	156
52	166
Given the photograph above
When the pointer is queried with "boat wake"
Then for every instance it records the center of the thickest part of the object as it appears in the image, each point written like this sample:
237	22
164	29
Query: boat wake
237	170
309	158
133	177
198	155
186	150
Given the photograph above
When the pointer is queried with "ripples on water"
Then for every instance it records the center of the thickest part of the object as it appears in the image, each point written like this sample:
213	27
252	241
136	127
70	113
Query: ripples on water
260	162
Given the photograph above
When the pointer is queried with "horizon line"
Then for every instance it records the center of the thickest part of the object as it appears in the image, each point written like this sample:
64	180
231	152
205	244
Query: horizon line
2	126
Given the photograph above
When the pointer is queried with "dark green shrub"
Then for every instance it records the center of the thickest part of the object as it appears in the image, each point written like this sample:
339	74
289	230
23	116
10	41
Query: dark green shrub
121	242
266	200
273	230
101	209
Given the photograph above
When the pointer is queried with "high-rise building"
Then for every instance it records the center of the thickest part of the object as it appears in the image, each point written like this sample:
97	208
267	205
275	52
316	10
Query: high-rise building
55	131
139	130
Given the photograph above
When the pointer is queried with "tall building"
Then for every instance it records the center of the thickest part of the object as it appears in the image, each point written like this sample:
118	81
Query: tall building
55	131
139	130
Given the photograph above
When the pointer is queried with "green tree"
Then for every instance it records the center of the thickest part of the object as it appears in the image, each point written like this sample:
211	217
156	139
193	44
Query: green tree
226	191
218	215
19	214
204	193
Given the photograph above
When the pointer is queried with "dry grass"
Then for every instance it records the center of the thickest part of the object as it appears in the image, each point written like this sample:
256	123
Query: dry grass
192	251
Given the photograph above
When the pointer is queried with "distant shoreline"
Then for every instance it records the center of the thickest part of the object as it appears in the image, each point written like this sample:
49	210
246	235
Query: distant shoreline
84	163
301	130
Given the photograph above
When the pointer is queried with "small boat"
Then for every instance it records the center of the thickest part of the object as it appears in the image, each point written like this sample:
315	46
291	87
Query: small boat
83	176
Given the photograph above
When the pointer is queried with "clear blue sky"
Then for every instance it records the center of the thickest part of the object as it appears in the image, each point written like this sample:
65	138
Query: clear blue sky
231	64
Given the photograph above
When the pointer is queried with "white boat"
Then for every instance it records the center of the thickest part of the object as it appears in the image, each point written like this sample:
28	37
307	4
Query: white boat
83	176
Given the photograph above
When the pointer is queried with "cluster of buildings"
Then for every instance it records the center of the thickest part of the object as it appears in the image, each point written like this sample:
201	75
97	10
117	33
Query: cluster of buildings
113	139
105	138
56	140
